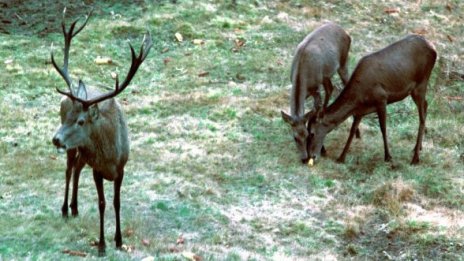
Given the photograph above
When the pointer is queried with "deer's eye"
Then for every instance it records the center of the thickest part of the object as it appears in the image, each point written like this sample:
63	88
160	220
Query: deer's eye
80	122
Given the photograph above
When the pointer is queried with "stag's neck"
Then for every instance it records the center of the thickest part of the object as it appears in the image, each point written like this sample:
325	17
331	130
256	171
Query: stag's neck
342	108
297	101
108	147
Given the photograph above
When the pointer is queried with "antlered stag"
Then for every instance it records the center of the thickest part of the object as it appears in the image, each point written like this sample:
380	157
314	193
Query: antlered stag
322	53
387	76
93	131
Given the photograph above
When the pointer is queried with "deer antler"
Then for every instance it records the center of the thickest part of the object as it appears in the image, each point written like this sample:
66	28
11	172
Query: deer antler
68	35
137	60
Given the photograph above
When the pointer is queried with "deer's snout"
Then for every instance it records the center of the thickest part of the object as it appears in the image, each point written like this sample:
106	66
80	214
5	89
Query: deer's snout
57	142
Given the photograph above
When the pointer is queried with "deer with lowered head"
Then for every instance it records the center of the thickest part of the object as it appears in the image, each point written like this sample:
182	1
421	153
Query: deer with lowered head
93	131
321	53
399	70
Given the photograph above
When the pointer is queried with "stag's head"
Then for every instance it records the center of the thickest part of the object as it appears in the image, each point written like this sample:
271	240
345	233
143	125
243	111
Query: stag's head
300	132
82	113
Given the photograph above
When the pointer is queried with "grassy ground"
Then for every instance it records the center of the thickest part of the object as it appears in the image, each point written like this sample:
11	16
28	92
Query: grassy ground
213	169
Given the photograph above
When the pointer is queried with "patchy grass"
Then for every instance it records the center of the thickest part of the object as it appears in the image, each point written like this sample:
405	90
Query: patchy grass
213	169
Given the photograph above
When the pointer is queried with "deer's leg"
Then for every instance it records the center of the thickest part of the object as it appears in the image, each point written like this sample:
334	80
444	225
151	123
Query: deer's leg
77	172
101	207
117	204
421	104
328	88
382	113
343	73
354	127
70	160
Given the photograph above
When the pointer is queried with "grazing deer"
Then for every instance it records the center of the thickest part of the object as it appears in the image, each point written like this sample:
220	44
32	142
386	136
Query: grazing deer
322	53
93	131
381	78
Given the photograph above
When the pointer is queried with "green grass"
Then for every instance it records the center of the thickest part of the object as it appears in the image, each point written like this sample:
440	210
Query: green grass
211	160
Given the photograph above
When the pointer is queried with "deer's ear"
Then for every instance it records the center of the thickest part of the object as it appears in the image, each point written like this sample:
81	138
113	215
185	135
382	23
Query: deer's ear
94	112
81	91
310	117
287	118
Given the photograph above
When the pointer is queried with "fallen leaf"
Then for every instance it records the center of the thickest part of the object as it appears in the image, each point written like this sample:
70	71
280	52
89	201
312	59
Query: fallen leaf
103	60
454	98
173	249
421	31
128	232
114	75
128	248
145	242
449	7
391	10
203	74
198	41
450	38
165	50
179	37
8	61
191	256
239	42
167	60
74	253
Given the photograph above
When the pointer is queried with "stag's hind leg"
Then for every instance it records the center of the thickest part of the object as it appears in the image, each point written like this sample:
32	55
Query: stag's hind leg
418	96
117	206
382	113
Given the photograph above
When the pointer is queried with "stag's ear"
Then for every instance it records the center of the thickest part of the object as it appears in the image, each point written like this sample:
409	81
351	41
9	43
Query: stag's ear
81	91
308	117
94	112
287	118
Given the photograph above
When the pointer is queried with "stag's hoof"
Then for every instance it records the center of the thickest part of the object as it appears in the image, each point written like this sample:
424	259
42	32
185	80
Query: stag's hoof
341	160
388	158
323	151
415	161
74	212
64	212
101	251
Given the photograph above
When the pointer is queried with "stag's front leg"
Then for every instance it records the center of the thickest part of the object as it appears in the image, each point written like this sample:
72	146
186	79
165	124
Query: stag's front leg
77	172
354	127
117	205
70	161
101	207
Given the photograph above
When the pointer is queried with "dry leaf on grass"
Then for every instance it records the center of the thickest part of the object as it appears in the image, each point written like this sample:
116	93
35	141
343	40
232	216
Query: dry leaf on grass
103	60
74	253
179	37
191	256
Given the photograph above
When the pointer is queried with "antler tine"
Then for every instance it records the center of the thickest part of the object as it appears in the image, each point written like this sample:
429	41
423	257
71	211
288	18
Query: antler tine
136	61
68	35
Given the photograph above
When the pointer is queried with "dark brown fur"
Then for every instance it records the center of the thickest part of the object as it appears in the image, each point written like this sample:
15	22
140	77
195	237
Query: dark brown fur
399	70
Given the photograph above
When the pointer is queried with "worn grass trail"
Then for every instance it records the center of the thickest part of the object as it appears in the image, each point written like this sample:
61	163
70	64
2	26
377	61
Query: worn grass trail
213	169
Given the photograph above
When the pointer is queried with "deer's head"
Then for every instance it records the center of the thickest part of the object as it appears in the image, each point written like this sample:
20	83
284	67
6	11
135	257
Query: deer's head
82	113
300	132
